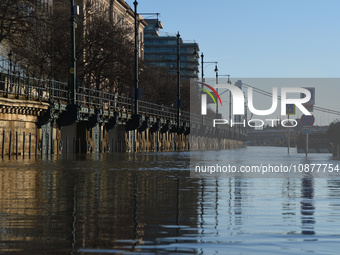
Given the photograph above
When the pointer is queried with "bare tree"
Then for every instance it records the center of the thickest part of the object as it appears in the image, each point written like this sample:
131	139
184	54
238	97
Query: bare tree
107	62
15	18
105	51
159	85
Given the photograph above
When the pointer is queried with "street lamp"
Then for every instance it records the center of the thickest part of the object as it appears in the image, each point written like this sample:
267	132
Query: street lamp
204	62
229	82
202	68
135	3
178	78
73	69
216	71
138	92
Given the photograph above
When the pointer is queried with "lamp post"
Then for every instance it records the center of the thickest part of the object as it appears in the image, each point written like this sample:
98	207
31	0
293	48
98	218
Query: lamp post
178	79
135	3
73	69
179	103
202	72
202	68
216	71
229	82
229	99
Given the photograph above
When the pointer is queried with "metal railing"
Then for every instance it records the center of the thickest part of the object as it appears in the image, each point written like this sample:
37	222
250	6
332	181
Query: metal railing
30	88
48	90
92	98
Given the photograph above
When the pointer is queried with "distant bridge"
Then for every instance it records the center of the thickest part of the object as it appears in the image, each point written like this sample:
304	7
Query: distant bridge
318	141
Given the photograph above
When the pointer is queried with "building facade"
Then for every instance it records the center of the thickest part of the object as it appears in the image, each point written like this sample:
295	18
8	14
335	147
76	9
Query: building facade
119	13
161	51
21	12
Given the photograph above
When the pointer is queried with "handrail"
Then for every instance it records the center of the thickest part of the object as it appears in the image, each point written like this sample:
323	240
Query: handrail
49	90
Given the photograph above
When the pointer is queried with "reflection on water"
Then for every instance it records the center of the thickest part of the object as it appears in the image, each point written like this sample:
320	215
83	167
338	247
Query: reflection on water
307	206
147	203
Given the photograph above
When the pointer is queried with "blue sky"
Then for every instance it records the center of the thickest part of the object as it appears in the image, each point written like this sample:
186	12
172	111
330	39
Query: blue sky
260	38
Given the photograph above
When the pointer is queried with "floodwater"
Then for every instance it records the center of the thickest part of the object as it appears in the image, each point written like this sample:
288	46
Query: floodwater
149	204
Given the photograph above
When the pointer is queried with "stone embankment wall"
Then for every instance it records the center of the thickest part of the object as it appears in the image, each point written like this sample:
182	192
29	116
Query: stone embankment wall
21	135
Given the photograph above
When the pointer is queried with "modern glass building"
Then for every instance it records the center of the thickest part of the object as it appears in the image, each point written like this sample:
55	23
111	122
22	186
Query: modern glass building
161	51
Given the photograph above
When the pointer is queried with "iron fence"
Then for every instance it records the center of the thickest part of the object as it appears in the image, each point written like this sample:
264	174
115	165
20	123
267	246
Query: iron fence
30	88
48	90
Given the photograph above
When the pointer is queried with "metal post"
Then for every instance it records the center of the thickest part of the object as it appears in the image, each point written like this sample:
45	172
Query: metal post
9	78
28	86
18	86
229	102
47	137
178	79
36	144
10	145
307	145
73	70
29	145
135	3
202	63
288	136
3	144
51	138
16	145
216	70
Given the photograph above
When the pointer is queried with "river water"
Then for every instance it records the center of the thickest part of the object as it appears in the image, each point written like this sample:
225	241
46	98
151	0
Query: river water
149	204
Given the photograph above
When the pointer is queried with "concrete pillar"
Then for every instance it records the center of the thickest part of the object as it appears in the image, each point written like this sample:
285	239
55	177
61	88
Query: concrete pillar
97	134
69	138
47	139
117	138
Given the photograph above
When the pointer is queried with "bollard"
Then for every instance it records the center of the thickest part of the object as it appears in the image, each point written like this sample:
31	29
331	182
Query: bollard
3	144
36	144
16	144
23	145
10	144
29	146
